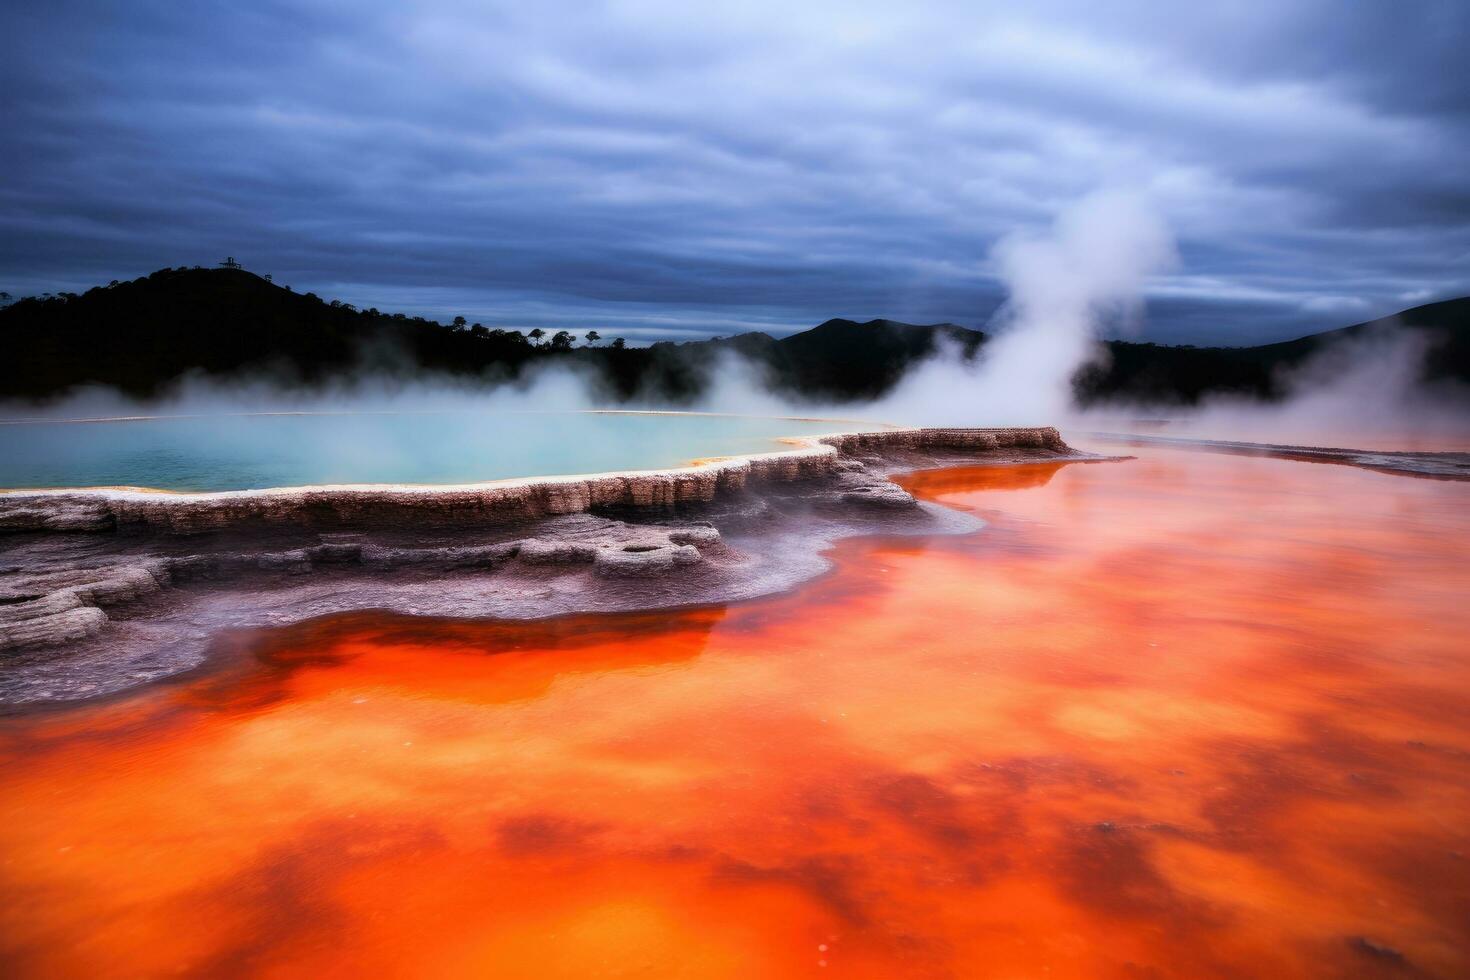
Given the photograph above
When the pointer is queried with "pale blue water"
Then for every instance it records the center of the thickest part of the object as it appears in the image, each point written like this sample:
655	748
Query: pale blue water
240	452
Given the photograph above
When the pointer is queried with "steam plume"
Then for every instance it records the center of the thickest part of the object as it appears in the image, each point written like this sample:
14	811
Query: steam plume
1089	268
1093	263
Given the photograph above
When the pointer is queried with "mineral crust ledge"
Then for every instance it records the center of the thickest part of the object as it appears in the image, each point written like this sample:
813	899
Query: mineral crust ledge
140	598
497	502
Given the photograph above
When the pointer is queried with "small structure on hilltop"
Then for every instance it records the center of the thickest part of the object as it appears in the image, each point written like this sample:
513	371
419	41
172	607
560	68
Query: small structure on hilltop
230	263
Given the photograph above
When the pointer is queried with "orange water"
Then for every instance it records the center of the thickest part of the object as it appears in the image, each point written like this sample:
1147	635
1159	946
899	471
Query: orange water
1190	715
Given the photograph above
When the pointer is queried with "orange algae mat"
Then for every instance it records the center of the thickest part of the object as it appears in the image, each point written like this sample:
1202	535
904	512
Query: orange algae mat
1188	715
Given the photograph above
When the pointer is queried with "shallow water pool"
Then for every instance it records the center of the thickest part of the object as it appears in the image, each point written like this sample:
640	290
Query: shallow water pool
245	452
1189	715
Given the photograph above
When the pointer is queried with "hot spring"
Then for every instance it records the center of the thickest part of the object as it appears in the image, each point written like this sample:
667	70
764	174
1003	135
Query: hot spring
256	451
1193	715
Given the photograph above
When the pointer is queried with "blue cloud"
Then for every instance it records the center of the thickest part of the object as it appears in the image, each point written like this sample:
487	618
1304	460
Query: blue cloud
672	172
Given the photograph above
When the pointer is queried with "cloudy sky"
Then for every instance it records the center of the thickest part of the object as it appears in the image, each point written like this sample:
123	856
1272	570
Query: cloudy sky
669	170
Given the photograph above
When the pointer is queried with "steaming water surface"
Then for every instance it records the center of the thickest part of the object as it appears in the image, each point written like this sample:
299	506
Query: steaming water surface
1189	715
242	452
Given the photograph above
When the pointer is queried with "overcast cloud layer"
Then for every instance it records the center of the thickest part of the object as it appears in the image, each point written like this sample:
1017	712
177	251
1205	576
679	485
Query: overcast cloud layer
663	170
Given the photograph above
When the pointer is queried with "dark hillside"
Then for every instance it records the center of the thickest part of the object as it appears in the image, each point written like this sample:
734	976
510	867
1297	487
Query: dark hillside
140	335
842	358
1151	372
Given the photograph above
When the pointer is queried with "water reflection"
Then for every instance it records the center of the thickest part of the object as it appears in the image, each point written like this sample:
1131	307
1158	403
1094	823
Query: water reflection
1187	715
487	662
932	484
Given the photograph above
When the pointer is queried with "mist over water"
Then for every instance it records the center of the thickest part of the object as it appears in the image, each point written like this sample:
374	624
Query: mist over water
1365	391
1088	270
1094	261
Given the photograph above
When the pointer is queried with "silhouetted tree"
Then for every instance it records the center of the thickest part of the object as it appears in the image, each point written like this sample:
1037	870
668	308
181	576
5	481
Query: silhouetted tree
561	341
619	343
459	322
593	337
536	335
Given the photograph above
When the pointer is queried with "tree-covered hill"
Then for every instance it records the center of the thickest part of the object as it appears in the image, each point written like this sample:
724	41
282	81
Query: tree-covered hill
140	335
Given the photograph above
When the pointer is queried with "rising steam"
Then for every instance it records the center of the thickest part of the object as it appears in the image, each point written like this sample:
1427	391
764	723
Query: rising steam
1092	264
1090	268
1362	391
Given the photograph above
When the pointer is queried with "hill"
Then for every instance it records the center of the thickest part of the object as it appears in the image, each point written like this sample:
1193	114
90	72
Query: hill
142	334
1156	373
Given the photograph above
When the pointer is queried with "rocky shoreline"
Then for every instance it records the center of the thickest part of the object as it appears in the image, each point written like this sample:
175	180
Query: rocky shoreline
104	589
500	501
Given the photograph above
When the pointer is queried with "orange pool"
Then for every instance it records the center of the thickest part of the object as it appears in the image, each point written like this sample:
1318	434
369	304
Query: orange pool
1189	715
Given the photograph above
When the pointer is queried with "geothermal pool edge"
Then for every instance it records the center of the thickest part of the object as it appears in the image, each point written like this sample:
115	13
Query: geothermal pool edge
106	589
490	502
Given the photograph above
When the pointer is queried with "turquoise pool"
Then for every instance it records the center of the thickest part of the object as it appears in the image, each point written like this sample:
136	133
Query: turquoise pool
243	452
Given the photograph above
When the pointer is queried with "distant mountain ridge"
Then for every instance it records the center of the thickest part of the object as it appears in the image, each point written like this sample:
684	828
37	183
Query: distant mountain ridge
140	335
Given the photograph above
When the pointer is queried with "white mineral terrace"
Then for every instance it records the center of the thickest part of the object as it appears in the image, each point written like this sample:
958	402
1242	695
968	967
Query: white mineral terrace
493	501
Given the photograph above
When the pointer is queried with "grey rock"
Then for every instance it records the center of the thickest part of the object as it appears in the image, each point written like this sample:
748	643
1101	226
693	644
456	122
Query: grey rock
882	495
118	586
702	535
644	560
53	629
539	551
336	551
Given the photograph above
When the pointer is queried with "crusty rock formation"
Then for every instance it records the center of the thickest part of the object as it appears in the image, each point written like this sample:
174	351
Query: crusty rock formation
140	597
499	502
58	605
